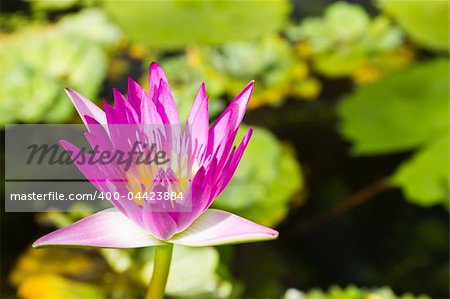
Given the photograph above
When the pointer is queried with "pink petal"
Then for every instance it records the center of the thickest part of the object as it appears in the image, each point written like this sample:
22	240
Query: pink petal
113	116
200	106
197	196
231	165
224	129
104	178
197	125
86	107
108	228
149	112
161	224
123	106
156	75
162	96
216	227
166	105
136	95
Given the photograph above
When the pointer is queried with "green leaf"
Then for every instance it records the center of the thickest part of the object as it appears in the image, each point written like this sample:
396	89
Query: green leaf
345	21
427	22
93	25
265	181
401	112
425	178
346	41
40	61
177	23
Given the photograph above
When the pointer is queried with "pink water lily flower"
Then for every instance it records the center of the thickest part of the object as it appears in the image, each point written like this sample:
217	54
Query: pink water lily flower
209	158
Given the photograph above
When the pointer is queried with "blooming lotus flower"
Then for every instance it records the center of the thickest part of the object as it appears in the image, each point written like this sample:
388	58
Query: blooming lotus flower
204	155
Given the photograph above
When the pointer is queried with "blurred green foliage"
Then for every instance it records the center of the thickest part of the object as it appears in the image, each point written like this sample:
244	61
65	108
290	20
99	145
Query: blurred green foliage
406	111
40	61
195	21
350	292
425	178
398	102
412	107
427	22
271	61
346	41
268	60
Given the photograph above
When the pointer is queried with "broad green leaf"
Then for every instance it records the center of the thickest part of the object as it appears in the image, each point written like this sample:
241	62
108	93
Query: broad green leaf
177	23
38	62
265	181
427	22
425	178
401	112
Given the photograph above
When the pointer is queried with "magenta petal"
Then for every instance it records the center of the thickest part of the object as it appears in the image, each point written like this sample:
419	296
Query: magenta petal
166	104
156	75
86	107
159	223
224	129
237	108
197	125
149	112
231	165
136	95
108	228
200	106
160	93
216	227
102	177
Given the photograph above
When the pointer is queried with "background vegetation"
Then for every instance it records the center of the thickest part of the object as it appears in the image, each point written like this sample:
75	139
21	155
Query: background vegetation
349	158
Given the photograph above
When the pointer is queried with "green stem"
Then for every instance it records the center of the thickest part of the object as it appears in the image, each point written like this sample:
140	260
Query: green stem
161	265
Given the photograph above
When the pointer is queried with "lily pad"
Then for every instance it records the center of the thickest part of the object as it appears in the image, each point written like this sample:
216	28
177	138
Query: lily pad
175	23
346	41
425	178
269	60
406	111
40	61
427	22
401	112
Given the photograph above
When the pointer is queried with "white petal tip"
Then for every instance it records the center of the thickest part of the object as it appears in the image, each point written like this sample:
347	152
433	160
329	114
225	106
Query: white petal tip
216	227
